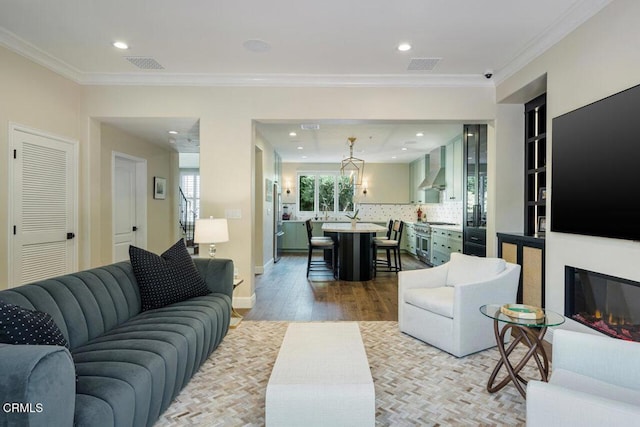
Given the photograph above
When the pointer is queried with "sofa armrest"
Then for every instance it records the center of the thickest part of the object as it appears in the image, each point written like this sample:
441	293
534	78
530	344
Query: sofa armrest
606	359
552	405
37	385
217	274
424	278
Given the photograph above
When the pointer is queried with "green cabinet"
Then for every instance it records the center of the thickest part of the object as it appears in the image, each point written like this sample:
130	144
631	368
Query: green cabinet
453	170
418	170
295	236
444	242
409	239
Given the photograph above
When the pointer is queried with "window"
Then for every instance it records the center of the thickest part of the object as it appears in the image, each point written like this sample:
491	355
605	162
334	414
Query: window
325	192
190	186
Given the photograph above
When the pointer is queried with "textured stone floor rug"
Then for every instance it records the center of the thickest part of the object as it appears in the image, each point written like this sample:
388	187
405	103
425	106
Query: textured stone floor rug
416	384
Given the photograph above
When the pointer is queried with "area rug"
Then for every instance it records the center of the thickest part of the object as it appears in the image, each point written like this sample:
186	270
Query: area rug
415	384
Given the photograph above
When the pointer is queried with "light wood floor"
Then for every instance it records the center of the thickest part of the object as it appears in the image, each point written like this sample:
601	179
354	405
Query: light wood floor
284	292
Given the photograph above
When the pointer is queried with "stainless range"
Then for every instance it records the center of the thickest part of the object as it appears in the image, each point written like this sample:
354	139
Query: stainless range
423	241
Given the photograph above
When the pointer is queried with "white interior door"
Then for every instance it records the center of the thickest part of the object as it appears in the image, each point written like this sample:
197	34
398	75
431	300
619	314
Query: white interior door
129	203
43	198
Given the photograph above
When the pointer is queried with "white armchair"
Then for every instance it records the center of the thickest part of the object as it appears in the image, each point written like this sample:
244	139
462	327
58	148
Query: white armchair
440	305
595	381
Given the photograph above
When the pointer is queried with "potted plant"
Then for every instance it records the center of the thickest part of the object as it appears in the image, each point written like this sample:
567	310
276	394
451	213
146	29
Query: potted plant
354	218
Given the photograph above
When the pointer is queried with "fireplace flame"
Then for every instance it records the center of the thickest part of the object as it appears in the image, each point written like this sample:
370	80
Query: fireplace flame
598	314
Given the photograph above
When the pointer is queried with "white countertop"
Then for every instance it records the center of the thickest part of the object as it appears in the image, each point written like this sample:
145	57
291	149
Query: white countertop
457	228
346	227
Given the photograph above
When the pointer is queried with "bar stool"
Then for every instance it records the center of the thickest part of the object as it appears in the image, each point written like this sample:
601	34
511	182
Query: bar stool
322	244
388	236
389	245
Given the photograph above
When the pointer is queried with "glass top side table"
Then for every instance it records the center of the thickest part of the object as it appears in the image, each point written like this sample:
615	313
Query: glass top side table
526	331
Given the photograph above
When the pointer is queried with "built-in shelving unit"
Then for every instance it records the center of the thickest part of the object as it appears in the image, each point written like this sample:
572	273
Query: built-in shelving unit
535	165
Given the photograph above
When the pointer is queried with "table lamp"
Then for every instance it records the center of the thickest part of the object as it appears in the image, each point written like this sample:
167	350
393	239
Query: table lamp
211	230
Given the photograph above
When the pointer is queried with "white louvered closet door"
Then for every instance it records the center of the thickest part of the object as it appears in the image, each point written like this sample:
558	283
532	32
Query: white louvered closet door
44	208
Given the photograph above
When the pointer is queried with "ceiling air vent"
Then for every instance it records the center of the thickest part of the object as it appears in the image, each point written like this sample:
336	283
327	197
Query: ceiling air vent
423	64
144	62
310	126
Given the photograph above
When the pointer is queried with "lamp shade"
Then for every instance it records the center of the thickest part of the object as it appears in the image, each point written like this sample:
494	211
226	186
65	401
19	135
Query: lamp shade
211	230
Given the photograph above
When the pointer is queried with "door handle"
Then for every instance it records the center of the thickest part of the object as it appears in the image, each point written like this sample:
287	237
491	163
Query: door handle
134	228
70	236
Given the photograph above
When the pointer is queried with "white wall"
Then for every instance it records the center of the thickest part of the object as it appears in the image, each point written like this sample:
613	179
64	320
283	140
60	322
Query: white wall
506	163
599	59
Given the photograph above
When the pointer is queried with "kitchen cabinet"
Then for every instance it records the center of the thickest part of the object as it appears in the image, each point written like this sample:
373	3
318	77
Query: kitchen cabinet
444	241
418	170
528	251
453	171
295	236
409	239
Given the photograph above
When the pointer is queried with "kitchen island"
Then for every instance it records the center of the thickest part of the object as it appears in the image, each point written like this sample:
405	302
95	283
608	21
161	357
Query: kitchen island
355	254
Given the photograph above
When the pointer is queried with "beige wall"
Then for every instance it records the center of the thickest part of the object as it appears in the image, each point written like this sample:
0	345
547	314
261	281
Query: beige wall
161	214
264	210
226	133
387	182
37	98
600	58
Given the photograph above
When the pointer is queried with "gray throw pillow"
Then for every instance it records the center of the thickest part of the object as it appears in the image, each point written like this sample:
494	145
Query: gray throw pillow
168	278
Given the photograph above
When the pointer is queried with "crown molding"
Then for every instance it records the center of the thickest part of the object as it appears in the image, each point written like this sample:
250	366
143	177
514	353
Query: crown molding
287	80
563	26
37	55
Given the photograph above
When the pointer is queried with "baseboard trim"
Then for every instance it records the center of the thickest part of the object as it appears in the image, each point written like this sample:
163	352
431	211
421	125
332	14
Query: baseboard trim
244	302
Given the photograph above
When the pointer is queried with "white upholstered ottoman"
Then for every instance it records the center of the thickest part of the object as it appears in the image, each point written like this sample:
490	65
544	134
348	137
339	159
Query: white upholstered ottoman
321	378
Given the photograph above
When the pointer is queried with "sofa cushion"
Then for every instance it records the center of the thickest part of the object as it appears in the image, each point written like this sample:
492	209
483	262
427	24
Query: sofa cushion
469	269
19	325
436	300
590	385
168	278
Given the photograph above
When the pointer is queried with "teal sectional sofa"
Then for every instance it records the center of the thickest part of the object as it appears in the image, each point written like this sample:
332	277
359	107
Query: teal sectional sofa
123	367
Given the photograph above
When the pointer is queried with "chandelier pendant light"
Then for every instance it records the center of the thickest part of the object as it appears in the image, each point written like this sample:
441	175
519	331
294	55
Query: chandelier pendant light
352	167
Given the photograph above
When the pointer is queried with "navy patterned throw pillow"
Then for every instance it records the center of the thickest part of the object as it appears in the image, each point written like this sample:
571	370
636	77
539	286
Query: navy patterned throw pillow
168	278
19	325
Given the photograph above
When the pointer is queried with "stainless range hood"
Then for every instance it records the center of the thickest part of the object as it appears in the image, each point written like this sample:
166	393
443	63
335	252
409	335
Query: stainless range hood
435	179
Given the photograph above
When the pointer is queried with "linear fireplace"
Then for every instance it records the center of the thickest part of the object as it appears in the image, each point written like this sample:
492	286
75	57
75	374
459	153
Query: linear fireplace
610	305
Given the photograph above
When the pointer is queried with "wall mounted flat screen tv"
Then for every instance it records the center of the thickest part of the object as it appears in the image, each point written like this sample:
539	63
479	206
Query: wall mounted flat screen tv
595	179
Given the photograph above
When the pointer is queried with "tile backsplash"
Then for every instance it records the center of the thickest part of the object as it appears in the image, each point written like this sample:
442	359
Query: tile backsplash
441	212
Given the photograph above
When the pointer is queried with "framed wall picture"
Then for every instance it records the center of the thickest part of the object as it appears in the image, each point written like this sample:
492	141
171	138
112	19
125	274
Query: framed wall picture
542	224
542	194
159	188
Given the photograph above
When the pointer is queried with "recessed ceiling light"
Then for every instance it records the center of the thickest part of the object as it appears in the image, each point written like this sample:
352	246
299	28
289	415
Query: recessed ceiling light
304	157
404	148
173	132
300	147
393	157
121	45
403	47
293	134
172	140
419	134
